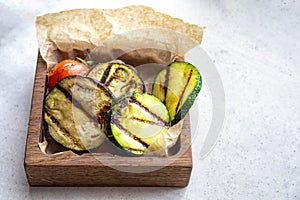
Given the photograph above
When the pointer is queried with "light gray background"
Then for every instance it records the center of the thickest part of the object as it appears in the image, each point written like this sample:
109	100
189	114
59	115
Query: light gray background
255	47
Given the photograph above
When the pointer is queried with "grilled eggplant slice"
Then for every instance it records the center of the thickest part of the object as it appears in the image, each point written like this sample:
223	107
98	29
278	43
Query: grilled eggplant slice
75	111
120	78
177	87
136	121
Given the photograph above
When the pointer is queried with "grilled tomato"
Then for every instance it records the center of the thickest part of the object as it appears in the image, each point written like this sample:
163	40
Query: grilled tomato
64	69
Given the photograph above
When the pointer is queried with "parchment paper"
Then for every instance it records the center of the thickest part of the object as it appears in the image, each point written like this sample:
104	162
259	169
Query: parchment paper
136	34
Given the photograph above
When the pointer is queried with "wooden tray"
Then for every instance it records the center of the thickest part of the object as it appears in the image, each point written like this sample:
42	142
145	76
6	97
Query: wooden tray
70	169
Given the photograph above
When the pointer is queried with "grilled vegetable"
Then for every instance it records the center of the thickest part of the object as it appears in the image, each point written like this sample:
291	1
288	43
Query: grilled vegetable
136	122
64	69
75	111
120	78
177	87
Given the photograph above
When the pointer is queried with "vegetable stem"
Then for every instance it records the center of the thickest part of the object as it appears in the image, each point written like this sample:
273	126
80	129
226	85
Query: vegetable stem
87	63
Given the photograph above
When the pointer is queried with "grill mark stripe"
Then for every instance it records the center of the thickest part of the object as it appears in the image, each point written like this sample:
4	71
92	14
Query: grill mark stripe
112	77
117	123
104	79
94	136
63	130
183	91
77	104
110	80
133	100
166	84
106	73
137	150
146	121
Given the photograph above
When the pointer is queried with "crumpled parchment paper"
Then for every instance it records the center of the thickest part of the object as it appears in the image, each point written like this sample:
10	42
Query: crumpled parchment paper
135	34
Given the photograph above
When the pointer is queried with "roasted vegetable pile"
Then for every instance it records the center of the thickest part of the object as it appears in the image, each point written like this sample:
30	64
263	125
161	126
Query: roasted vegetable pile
84	107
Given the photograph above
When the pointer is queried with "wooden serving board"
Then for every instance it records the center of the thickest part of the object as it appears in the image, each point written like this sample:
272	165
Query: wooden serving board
70	169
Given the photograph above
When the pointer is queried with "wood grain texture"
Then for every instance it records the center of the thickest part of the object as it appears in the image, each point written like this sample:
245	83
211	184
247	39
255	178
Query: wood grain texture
70	169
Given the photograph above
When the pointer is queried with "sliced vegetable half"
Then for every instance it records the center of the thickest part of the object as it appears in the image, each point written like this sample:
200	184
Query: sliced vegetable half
177	87
136	121
64	69
120	78
75	111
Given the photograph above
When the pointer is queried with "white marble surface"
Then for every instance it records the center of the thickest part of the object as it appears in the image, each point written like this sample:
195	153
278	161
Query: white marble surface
255	47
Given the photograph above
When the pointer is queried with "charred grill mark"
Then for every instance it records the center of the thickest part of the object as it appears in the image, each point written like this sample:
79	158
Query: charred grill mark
99	118
77	104
95	136
181	95
140	140
126	65
63	130
106	73
101	115
117	123
146	121
110	80
84	88
115	75
65	92
133	100
166	84
136	150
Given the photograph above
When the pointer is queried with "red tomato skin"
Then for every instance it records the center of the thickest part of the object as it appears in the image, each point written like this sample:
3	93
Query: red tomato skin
64	69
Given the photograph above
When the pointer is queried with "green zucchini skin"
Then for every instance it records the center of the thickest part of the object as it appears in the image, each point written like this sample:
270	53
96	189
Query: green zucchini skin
119	77
75	112
178	86
135	121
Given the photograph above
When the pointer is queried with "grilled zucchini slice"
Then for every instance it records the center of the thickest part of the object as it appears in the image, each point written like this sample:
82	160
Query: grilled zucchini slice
136	121
177	87
120	78
75	112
